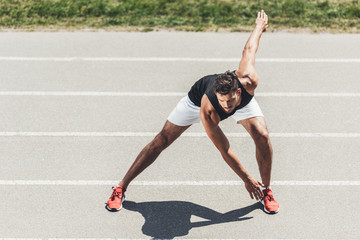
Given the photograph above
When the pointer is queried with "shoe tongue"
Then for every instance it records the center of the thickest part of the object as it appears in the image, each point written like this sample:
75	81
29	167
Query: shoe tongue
266	190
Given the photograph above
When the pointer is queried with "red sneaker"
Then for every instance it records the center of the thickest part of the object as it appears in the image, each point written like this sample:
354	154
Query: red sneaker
115	201
270	204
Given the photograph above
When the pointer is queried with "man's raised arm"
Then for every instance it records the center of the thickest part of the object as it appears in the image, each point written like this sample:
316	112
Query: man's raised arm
246	69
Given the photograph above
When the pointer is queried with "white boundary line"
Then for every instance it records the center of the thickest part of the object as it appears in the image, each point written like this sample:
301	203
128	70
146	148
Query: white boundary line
188	134
170	183
165	94
179	59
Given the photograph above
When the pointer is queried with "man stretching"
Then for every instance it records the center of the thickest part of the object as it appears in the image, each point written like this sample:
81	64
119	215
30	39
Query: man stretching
211	99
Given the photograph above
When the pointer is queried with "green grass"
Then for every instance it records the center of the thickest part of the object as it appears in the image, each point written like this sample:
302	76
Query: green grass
189	15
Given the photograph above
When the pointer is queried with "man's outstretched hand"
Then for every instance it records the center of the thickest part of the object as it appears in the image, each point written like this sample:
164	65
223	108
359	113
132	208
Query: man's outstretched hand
261	22
253	186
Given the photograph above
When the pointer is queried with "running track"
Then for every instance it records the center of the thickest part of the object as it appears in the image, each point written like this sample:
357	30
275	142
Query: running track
78	107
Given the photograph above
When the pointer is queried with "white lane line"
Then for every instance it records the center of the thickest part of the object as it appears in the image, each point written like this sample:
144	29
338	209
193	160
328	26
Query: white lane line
179	59
166	94
78	134
306	94
160	239
310	60
188	134
171	183
92	94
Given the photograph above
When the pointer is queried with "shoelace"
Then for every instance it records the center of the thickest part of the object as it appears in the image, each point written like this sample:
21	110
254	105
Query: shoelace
270	197
116	194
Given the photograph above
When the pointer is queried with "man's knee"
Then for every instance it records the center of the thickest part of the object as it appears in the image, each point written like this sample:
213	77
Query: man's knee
261	135
160	142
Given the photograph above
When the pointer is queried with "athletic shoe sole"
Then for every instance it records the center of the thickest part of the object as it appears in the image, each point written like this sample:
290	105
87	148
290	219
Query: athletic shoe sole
269	212
114	209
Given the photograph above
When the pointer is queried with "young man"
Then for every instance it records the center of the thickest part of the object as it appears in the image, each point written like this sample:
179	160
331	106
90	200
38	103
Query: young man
212	99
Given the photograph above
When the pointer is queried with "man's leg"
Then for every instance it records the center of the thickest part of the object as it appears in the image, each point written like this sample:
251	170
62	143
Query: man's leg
148	155
257	129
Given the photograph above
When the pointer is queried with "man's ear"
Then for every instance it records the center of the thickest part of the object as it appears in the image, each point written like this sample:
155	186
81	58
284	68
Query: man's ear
239	91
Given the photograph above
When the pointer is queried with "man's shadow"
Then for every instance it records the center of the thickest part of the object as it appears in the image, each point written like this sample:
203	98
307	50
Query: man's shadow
169	219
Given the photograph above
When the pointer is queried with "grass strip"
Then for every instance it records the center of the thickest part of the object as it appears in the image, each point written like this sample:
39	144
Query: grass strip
189	15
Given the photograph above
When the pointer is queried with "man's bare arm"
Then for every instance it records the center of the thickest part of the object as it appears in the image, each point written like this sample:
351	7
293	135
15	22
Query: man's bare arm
211	120
246	71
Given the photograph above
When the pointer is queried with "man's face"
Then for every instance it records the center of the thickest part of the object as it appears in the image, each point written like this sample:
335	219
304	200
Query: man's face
229	101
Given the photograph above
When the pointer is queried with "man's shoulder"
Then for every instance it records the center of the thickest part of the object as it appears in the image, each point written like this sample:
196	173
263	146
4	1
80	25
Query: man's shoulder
207	109
206	104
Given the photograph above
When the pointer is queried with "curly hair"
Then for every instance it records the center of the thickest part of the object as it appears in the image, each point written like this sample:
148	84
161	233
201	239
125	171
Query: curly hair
226	83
